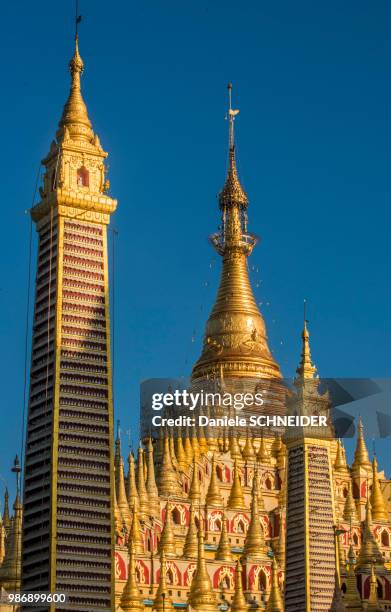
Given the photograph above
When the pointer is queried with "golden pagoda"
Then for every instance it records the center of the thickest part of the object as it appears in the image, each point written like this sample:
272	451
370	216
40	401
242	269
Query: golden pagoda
131	601
235	341
201	596
275	603
379	512
361	458
239	603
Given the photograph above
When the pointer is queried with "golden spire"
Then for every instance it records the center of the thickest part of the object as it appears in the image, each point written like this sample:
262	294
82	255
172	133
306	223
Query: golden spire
132	494
263	456
352	598
361	458
340	459
213	496
75	120
135	534
118	521
203	443
195	446
188	449
6	512
195	490
274	603
141	488
223	552
350	510
248	451
379	512
180	452
234	447
369	550
235	338
254	544
168	484
373	601
162	602
257	484
306	369
167	540
122	501
236	498
201	597
281	546
239	603
172	452
191	542
117	458
131	601
151	487
10	570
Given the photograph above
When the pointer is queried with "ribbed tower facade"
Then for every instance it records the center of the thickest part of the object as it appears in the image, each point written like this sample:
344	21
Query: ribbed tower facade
68	482
311	559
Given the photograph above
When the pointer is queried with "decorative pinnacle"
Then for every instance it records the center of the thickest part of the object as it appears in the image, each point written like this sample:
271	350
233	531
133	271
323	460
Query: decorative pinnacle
76	64
75	116
232	193
306	369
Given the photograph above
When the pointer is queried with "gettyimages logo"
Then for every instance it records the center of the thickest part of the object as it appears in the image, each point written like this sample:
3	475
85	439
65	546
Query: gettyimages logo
266	408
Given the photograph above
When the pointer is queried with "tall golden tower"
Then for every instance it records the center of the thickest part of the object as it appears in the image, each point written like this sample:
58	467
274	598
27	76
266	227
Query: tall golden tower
68	534
235	341
311	560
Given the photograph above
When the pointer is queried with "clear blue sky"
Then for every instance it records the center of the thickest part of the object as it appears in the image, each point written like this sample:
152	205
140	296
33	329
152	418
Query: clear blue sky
313	83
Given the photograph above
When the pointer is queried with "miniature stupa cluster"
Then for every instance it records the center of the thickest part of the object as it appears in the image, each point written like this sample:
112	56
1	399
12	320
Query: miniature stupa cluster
202	523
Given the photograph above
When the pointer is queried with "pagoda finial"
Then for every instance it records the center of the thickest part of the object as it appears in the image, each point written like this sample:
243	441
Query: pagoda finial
248	450
239	603
213	496
274	603
6	511
132	493
135	534
195	490
191	542
223	552
141	488
201	597
350	510
352	597
75	121
373	601
379	512
369	550
306	369
162	601
152	490
340	459
361	458
131	600
254	544
180	452
122	499
263	455
236	498
167	540
167	477
232	193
